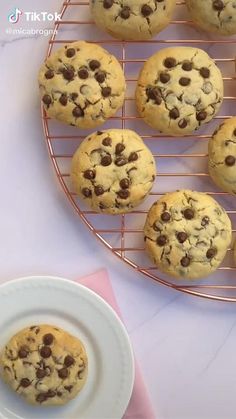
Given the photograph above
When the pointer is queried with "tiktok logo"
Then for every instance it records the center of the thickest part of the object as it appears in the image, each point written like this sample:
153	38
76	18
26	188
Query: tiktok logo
14	16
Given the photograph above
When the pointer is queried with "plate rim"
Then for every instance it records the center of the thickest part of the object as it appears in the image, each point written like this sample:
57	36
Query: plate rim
100	300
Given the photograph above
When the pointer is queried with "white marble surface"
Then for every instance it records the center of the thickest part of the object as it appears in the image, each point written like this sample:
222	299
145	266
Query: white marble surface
185	345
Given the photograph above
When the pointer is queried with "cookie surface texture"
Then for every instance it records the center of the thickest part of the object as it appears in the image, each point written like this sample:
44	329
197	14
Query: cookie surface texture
44	364
179	89
187	234
113	171
81	84
218	16
222	156
134	19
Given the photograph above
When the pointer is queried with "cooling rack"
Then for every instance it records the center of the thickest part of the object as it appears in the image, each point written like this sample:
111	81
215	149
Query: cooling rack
181	162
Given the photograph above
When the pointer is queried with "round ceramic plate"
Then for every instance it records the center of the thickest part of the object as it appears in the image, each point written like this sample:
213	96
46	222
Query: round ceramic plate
63	303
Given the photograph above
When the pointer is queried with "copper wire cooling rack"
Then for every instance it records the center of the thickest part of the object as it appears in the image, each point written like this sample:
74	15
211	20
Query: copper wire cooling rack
181	162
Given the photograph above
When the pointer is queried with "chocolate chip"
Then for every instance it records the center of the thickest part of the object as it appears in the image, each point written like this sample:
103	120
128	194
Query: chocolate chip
45	352
89	174
70	52
94	65
185	261
25	382
63	100
146	10
230	161
100	76
68	388
40	373
170	62
99	132
83	73
107	4
201	116
41	397
23	352
74	96
218	5
165	216
182	237
133	156
211	253
120	161
125	12
47	100
86	192
49	74
69	360
123	193
184	81
183	123
59	393
188	213
124	183
63	373
106	141
205	72
99	190
68	73
234	133
161	240
106	91
174	113
106	160
78	112
187	66
154	93
205	221
119	148
164	77
50	393
48	339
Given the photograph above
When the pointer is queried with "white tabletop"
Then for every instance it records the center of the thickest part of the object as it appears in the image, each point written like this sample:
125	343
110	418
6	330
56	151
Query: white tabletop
185	345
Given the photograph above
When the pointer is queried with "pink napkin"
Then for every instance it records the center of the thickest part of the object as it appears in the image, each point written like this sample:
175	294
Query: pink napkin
139	406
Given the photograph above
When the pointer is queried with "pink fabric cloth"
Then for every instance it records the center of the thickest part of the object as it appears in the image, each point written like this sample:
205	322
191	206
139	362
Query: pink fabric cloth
139	406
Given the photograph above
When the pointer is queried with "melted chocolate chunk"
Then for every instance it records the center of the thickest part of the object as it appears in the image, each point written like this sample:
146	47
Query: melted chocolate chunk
125	12
41	397
211	253
68	388
100	76
165	217
120	161
48	339
63	373
187	66
45	352
87	192
123	193
94	65
183	123
146	10
25	382
205	221
162	240
119	148
49	74
182	237
205	72
201	116
154	93
124	183
133	156
107	142
170	62
99	190
70	52
69	360
185	261
40	373
83	73
164	77
188	214
63	100
47	100
23	352
230	161
107	4
174	113
106	91
218	5
68	73
89	174
78	112
106	160
184	81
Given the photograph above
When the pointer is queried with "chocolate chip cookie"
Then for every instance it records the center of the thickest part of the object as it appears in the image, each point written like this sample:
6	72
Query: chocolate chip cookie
217	16
45	365
222	156
187	234
134	19
81	84
179	89
113	171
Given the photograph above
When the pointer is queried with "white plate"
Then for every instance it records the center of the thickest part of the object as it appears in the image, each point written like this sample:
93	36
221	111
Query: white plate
83	313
